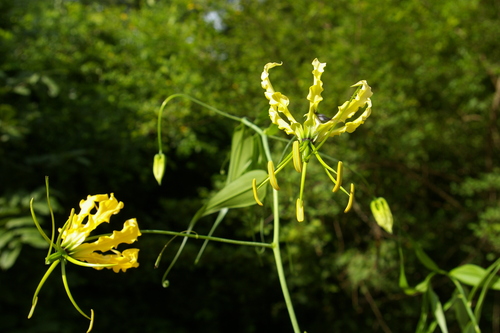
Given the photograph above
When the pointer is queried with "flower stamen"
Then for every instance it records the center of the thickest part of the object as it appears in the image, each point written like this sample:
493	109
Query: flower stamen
255	194
300	210
340	172
297	163
272	176
351	199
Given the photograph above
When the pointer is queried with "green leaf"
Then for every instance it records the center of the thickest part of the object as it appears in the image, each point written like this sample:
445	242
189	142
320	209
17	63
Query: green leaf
8	256
426	260
51	86
19	222
242	150
237	193
5	237
473	275
437	309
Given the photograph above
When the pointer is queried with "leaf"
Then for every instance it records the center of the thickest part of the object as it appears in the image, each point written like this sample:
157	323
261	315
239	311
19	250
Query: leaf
8	256
19	222
5	237
237	193
242	151
426	260
437	309
473	275
53	88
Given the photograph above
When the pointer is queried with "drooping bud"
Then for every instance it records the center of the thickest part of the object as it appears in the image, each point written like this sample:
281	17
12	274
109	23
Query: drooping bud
159	163
382	213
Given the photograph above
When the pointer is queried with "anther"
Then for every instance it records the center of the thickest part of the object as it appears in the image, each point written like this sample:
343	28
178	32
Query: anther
297	163
272	177
351	199
255	194
300	210
340	172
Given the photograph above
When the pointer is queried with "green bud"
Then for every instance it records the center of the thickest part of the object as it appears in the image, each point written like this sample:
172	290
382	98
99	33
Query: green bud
159	163
382	213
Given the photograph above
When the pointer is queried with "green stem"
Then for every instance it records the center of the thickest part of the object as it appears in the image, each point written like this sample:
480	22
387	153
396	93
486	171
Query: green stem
279	264
275	244
222	113
51	215
44	278
68	292
276	236
215	239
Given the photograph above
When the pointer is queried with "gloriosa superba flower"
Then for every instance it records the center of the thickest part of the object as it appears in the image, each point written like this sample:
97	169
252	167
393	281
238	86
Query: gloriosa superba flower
101	253
315	130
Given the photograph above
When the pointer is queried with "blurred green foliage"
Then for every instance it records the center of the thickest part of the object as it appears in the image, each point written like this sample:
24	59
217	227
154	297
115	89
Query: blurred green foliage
80	85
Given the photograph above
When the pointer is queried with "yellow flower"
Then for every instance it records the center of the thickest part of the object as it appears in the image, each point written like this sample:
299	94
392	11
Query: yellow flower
102	253
316	127
77	231
312	134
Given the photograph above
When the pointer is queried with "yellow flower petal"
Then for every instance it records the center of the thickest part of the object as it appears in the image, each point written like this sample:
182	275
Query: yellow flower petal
121	260
349	108
278	103
128	235
314	96
361	99
76	232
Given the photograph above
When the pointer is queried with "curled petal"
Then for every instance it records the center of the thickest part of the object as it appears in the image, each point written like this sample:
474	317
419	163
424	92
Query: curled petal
278	103
360	98
107	208
120	260
266	83
128	235
76	232
314	96
351	126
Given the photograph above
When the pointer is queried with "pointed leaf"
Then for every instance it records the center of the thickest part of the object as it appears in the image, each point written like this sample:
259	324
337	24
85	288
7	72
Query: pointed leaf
8	256
473	275
426	260
237	193
242	150
437	310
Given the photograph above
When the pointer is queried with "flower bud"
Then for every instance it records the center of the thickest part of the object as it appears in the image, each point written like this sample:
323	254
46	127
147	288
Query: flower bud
382	213
159	163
